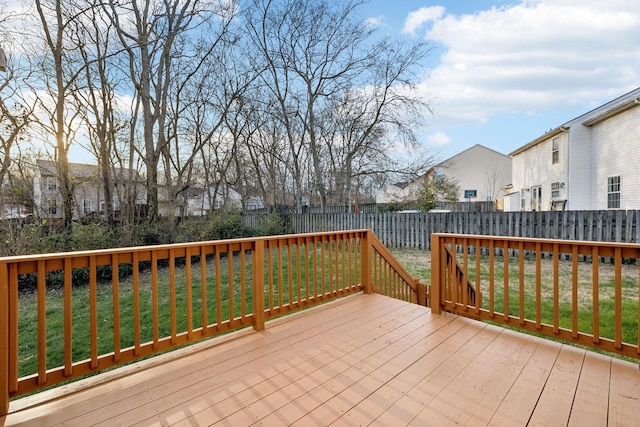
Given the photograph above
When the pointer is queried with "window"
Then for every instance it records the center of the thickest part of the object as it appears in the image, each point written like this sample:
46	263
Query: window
523	199
555	150
52	207
555	190
536	198
52	183
86	206
489	194
613	192
103	206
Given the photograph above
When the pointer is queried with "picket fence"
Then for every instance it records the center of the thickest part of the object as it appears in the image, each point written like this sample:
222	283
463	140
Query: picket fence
413	230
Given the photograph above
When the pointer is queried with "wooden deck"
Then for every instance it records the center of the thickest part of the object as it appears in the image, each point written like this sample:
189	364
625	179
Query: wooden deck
365	359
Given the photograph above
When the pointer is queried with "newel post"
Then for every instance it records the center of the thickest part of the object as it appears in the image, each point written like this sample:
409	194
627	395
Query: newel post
257	284
365	262
4	338
434	297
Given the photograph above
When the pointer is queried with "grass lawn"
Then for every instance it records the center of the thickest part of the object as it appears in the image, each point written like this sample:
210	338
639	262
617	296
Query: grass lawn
417	262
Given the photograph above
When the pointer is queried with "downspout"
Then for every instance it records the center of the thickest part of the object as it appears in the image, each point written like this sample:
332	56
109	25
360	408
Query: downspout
565	129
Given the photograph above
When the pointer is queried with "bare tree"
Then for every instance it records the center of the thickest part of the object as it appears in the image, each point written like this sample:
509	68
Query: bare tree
340	92
152	35
361	127
16	113
60	68
97	103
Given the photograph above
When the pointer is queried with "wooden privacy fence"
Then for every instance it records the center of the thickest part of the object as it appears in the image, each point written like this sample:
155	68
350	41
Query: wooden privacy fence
155	298
414	229
593	303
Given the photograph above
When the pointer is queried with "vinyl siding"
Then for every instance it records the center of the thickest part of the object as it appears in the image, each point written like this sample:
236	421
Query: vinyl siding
616	151
580	168
534	167
481	169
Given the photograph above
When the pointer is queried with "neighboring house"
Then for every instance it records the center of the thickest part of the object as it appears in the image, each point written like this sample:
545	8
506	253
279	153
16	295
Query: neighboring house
480	172
588	163
88	189
13	211
200	201
400	192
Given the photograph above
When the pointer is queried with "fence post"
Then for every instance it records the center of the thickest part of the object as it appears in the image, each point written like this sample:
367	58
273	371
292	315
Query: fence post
257	284
365	262
4	338
434	296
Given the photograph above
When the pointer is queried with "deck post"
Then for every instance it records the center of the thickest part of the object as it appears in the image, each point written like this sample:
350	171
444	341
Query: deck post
422	292
434	297
257	284
4	338
365	262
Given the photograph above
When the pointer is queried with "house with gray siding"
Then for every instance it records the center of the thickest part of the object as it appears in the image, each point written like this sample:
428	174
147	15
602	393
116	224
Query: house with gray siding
588	163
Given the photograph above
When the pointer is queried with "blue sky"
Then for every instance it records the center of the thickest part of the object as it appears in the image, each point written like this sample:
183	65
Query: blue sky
501	73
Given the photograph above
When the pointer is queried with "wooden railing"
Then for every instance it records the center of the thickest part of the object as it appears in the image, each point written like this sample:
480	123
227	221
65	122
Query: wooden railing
391	279
93	310
584	292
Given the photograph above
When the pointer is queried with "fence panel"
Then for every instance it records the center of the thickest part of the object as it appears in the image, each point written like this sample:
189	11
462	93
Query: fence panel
413	230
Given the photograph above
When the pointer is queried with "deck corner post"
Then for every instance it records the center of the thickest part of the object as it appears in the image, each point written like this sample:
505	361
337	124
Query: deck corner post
257	284
4	338
434	297
365	261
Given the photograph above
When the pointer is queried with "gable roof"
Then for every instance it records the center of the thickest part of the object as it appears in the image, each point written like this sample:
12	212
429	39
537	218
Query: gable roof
609	109
80	170
463	152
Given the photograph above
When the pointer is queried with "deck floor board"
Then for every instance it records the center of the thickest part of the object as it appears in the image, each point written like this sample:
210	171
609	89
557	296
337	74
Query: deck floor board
361	360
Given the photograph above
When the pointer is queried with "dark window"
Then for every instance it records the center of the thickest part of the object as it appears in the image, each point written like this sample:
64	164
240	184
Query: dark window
555	151
52	207
613	192
52	183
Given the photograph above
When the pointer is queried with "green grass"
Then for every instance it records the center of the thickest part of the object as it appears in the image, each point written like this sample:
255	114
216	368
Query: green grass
417	263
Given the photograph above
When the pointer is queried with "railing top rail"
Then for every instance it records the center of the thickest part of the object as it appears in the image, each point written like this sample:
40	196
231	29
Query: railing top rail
94	252
535	240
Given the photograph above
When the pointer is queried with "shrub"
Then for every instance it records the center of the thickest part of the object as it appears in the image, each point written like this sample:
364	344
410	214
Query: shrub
273	225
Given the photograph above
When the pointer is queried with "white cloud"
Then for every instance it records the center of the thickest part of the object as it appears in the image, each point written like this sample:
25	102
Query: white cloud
420	17
532	56
375	21
438	138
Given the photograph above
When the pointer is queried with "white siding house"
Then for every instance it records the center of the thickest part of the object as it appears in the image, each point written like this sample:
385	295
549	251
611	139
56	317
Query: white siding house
400	192
588	163
478	170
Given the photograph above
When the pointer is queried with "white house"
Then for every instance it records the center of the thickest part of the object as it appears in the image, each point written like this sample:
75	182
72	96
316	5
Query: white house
88	189
480	172
588	163
400	192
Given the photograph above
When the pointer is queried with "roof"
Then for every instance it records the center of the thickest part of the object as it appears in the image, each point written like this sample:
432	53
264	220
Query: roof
80	170
474	147
616	106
